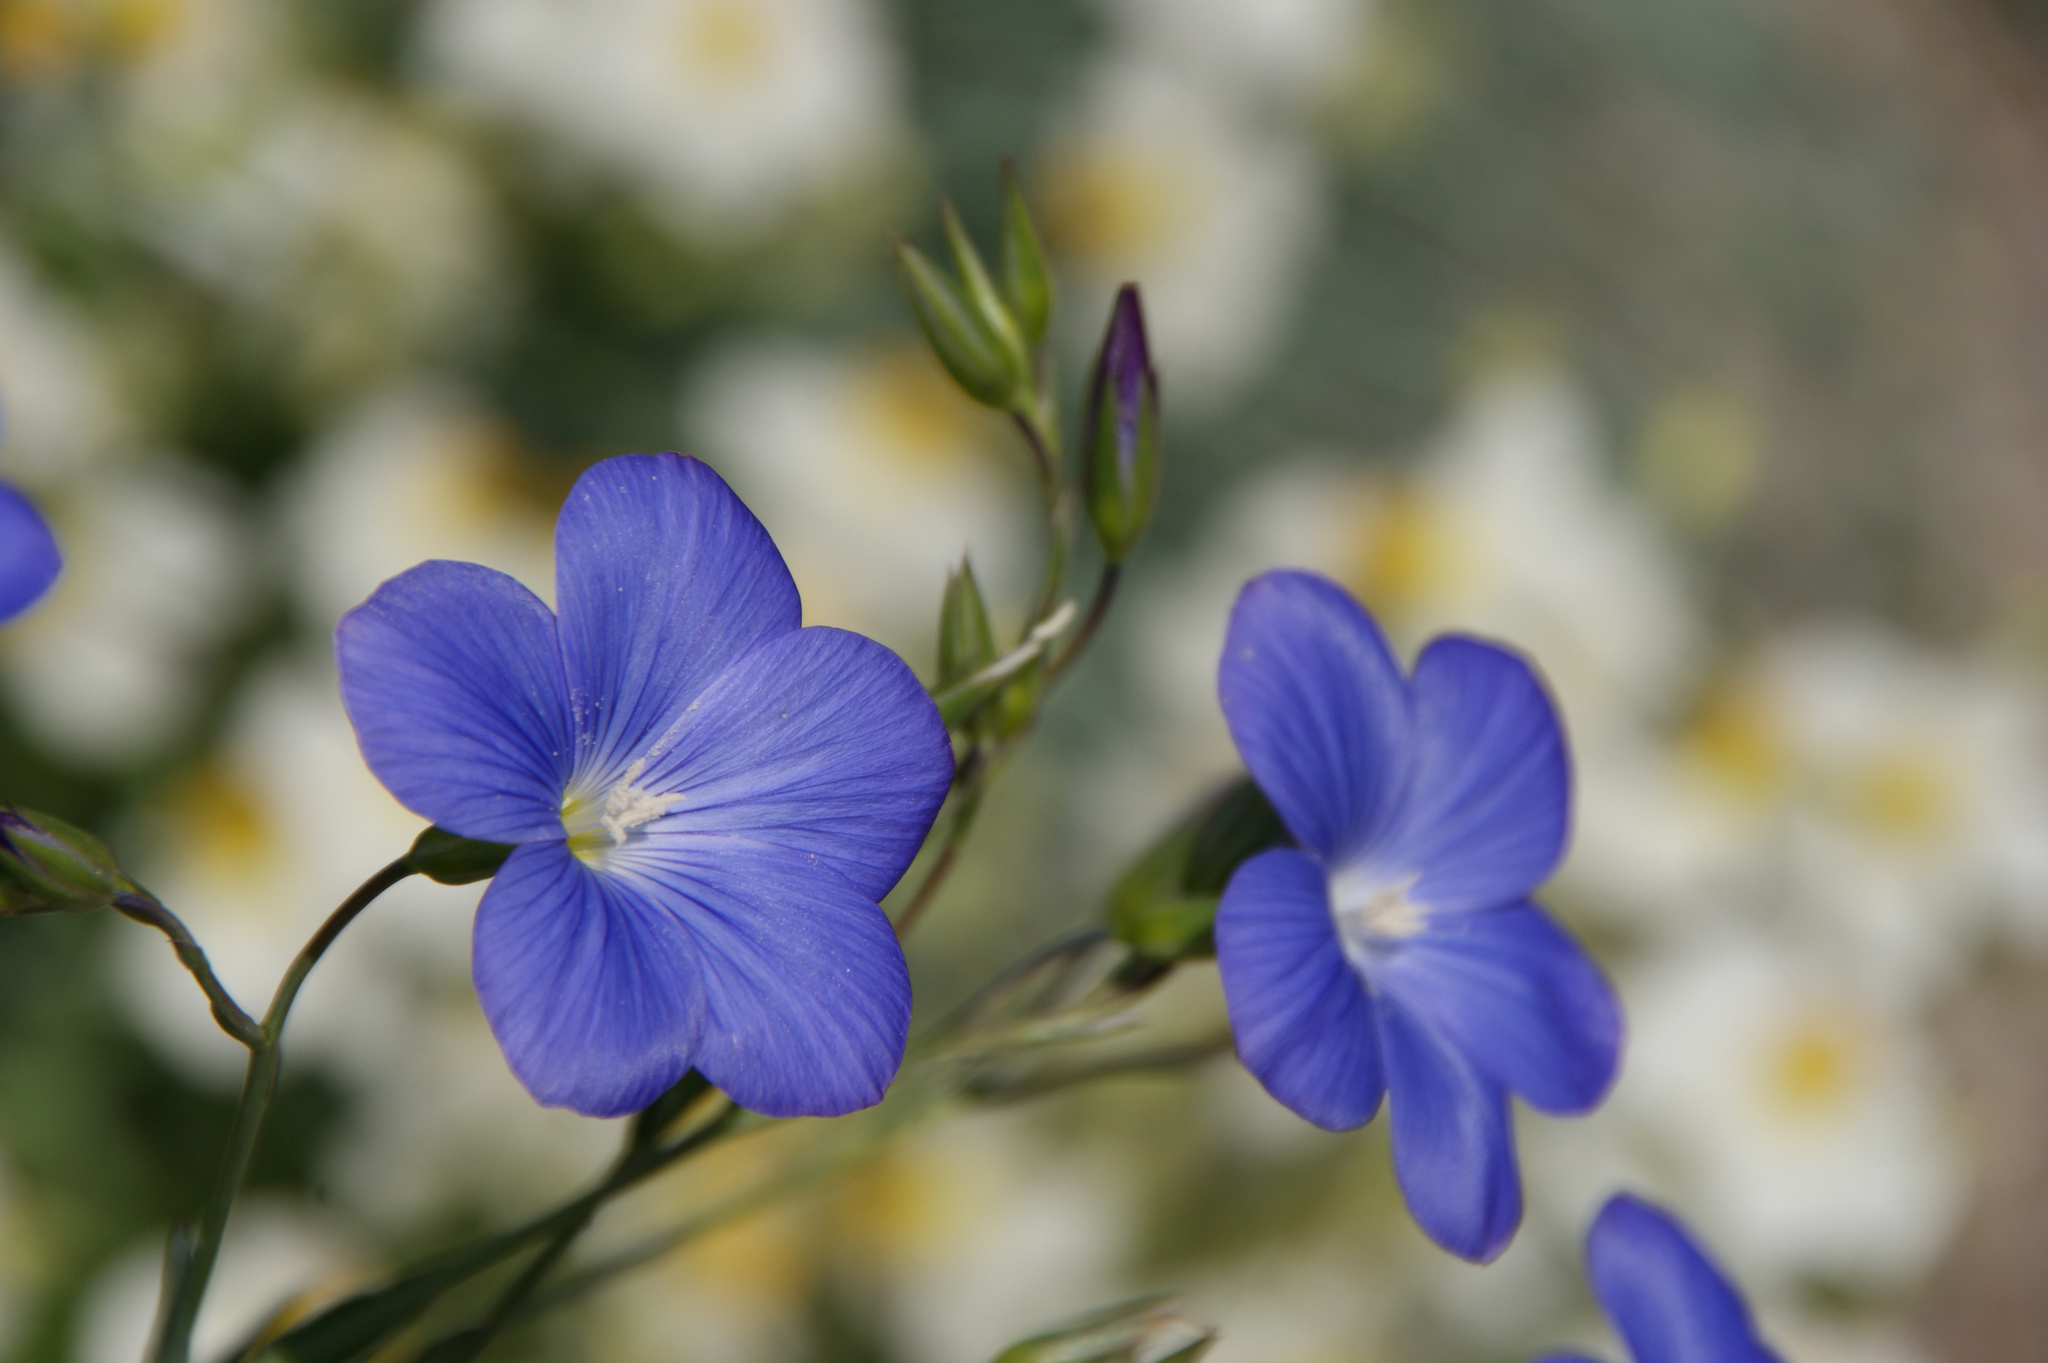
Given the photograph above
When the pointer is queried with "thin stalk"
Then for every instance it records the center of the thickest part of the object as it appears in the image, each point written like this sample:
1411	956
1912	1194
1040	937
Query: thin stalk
259	1087
973	784
235	1022
1098	611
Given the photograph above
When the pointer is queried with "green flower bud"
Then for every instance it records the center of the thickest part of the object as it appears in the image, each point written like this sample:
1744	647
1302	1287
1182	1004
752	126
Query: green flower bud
966	643
47	866
1142	1331
991	308
1027	284
957	335
1122	433
1164	906
450	859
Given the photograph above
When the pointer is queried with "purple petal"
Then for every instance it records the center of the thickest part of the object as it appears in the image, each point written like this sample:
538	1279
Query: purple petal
29	561
590	986
1303	1021
819	741
1488	805
1454	1146
1664	1295
1511	990
663	578
807	998
453	681
1317	706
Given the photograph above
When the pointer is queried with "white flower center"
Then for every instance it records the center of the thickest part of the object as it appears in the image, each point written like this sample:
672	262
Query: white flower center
626	806
1372	910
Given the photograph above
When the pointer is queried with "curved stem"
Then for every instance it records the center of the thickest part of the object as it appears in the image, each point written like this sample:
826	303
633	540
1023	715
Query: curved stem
1098	611
310	954
259	1086
235	1022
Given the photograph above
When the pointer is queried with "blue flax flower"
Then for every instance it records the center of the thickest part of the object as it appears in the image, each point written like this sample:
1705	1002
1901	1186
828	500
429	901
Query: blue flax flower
708	801
1665	1296
28	554
1396	949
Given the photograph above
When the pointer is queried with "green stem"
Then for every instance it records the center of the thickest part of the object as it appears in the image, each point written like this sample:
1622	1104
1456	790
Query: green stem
973	784
236	1023
1098	611
259	1087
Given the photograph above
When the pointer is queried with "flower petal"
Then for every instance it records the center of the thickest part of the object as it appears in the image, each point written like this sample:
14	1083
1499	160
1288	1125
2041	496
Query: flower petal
590	986
807	998
1317	706
1454	1146
453	681
819	741
663	578
1664	1295
1303	1020
1488	804
1524	1002
29	560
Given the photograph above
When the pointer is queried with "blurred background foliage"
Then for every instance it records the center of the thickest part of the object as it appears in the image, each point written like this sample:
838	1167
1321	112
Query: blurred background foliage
1694	346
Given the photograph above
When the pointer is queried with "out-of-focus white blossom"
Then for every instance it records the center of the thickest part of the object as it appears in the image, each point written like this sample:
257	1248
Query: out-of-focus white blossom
873	476
1318	1303
730	112
412	473
157	563
58	408
351	234
1288	50
1152	181
277	1256
1798	1112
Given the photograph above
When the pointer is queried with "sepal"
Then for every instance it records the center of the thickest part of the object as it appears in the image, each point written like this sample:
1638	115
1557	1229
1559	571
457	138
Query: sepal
452	859
1164	906
1027	283
49	866
1140	1331
966	641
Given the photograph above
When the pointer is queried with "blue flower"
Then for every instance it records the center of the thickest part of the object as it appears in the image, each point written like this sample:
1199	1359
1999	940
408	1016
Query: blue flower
28	554
1396	949
708	802
1665	1296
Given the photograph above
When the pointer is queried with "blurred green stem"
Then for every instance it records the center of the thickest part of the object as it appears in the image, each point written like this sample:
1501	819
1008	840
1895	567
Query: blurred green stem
972	783
259	1087
1098	610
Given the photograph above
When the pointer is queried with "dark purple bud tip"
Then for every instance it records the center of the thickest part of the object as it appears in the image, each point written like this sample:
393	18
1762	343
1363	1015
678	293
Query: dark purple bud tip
1123	429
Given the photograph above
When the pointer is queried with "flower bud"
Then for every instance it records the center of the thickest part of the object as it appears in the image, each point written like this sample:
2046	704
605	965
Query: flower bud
966	642
1122	433
956	332
451	859
1027	284
47	866
1164	906
991	308
1142	1331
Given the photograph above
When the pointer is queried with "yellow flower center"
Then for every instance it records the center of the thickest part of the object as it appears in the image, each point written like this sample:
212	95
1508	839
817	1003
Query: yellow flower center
596	826
727	41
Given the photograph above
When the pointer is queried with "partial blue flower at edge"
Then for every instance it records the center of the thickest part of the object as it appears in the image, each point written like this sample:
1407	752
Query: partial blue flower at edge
709	802
1666	1297
29	561
1396	951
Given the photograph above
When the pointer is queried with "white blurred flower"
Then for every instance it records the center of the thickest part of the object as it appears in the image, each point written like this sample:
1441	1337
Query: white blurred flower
412	473
58	410
253	850
156	573
873	476
1154	181
1289	49
443	1125
1316	1304
275	1256
1895	798
1800	1114
989	1233
349	231
731	112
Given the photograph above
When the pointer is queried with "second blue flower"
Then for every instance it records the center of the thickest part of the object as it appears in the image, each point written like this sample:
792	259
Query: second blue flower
1396	950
